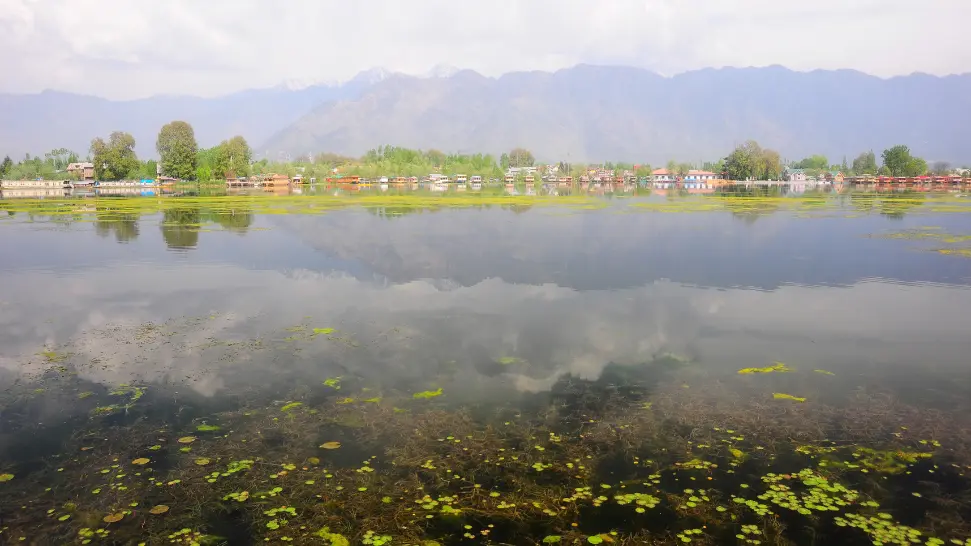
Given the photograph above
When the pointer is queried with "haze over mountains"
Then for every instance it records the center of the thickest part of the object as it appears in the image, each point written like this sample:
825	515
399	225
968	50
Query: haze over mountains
589	113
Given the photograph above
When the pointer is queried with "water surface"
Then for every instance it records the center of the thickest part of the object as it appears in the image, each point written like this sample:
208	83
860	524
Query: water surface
539	316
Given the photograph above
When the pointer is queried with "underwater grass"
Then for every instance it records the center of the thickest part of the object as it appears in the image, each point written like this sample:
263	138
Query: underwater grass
594	465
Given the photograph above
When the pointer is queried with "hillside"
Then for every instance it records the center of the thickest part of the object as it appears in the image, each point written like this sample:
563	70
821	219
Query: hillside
616	113
40	122
584	113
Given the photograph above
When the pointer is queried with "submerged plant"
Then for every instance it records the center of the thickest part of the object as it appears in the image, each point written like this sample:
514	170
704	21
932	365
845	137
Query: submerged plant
784	396
778	367
427	394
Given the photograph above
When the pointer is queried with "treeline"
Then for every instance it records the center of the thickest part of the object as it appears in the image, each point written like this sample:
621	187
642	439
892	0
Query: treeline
180	157
751	161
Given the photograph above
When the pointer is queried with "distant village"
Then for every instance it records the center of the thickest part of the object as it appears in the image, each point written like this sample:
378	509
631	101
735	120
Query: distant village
82	177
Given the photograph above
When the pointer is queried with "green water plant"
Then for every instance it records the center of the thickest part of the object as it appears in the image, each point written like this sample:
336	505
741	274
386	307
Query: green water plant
427	394
778	367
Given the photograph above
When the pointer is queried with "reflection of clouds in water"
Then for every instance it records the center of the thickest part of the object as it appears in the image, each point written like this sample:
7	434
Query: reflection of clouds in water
407	333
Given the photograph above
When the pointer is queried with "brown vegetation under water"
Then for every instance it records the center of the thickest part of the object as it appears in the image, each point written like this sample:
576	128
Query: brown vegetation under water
342	464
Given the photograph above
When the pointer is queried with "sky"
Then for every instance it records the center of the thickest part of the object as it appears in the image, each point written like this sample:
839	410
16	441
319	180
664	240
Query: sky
135	48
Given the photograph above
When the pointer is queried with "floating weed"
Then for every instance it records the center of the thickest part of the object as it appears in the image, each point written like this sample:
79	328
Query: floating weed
207	428
784	396
187	439
427	394
330	445
141	461
159	509
290	406
333	539
6	477
778	367
824	372
333	382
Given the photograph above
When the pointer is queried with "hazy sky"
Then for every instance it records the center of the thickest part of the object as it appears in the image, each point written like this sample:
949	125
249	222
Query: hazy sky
132	48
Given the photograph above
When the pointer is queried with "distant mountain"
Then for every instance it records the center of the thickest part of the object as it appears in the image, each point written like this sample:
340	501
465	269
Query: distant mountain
617	113
40	122
583	113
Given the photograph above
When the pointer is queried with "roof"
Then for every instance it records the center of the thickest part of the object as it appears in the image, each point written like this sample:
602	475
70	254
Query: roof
693	171
797	171
660	172
74	166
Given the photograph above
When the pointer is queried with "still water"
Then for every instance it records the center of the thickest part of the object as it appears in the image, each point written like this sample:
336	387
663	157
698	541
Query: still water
588	357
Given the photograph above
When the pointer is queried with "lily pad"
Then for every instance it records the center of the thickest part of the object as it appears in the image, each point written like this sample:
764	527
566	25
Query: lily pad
160	509
187	439
330	445
141	461
5	477
202	461
113	518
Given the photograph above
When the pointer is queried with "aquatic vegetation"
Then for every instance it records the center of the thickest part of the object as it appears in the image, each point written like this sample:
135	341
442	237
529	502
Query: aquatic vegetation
784	396
140	461
334	539
207	428
6	477
778	367
824	372
887	461
692	469
333	382
113	518
427	394
158	509
187	439
290	406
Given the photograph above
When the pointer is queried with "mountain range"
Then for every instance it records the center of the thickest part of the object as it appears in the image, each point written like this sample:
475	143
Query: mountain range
589	113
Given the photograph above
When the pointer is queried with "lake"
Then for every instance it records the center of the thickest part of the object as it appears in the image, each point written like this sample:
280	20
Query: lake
486	369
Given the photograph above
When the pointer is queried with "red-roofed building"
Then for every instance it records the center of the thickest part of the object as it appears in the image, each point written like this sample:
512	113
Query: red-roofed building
663	175
699	176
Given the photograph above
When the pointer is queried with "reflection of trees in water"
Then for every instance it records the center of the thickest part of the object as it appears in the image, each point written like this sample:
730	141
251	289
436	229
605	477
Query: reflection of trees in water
233	220
180	227
892	205
397	212
110	220
895	205
744	201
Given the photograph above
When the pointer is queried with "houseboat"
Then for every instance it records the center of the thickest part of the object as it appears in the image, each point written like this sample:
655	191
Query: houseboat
107	184
275	181
33	193
35	184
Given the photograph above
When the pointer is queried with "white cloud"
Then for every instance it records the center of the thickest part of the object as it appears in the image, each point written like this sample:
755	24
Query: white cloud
122	48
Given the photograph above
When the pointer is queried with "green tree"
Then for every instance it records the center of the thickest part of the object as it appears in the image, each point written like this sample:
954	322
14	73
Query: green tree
865	163
521	157
751	161
915	167
232	158
114	159
5	167
897	159
148	170
814	162
504	162
204	173
177	150
60	158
